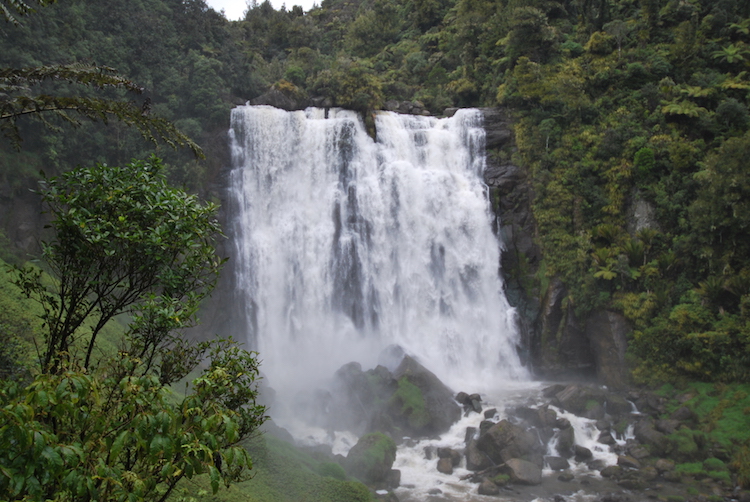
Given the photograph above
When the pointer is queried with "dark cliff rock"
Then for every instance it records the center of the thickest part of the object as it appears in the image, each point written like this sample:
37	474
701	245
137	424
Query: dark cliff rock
511	195
279	99
555	342
607	331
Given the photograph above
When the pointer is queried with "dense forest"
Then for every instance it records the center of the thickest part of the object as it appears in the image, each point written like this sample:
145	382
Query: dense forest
615	103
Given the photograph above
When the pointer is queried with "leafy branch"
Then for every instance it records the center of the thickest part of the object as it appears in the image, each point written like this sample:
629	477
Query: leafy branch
17	100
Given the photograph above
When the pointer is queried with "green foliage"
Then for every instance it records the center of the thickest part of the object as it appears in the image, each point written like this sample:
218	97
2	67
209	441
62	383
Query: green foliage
95	423
124	242
117	435
13	8
15	102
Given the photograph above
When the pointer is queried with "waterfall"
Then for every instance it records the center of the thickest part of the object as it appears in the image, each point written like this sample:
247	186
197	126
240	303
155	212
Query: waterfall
345	246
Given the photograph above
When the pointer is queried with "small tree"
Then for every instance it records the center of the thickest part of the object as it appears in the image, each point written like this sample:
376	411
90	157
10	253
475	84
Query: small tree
104	425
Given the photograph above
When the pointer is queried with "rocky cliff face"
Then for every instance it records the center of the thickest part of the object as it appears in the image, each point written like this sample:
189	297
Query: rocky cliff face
556	344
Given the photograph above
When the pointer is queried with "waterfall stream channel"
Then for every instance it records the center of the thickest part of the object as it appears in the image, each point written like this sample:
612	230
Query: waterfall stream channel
345	247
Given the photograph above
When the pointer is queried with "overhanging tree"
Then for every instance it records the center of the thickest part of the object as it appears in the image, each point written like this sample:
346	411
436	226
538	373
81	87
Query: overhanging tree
101	423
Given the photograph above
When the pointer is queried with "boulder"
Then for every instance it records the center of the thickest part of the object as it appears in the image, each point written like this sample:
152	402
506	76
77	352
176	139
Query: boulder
645	433
504	441
421	405
445	465
579	399
476	460
667	426
566	441
618	406
523	472
371	459
566	477
356	397
394	479
664	465
487	487
612	471
606	438
582	453
628	462
557	463
449	453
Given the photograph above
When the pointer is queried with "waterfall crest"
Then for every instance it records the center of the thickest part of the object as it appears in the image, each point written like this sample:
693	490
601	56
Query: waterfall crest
344	246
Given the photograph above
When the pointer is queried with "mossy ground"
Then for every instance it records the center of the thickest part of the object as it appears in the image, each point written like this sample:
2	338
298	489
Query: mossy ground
722	432
281	473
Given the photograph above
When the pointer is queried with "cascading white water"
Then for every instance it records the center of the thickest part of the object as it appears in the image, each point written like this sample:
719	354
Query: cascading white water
345	246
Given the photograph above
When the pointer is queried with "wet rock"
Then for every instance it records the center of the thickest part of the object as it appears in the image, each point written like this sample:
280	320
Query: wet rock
632	484
566	442
563	423
476	460
566	477
487	487
646	433
668	426
429	452
489	414
664	465
445	465
628	462
505	441
394	478
612	471
683	414
371	459
649	473
484	426
354	403
638	452
672	476
650	404
614	497
582	453
579	399
553	390
557	463
523	472
434	491
449	453
606	438
470	433
618	406
594	411
437	410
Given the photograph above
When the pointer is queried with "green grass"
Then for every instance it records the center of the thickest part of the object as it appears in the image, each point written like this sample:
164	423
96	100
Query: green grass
21	330
282	473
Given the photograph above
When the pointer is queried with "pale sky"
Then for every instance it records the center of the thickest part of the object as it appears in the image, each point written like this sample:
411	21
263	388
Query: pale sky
235	9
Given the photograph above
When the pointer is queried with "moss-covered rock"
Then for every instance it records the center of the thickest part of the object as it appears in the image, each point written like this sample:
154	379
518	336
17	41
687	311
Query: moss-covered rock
421	405
371	459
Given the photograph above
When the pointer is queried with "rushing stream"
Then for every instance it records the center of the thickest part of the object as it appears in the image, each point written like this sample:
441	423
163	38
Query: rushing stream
347	246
